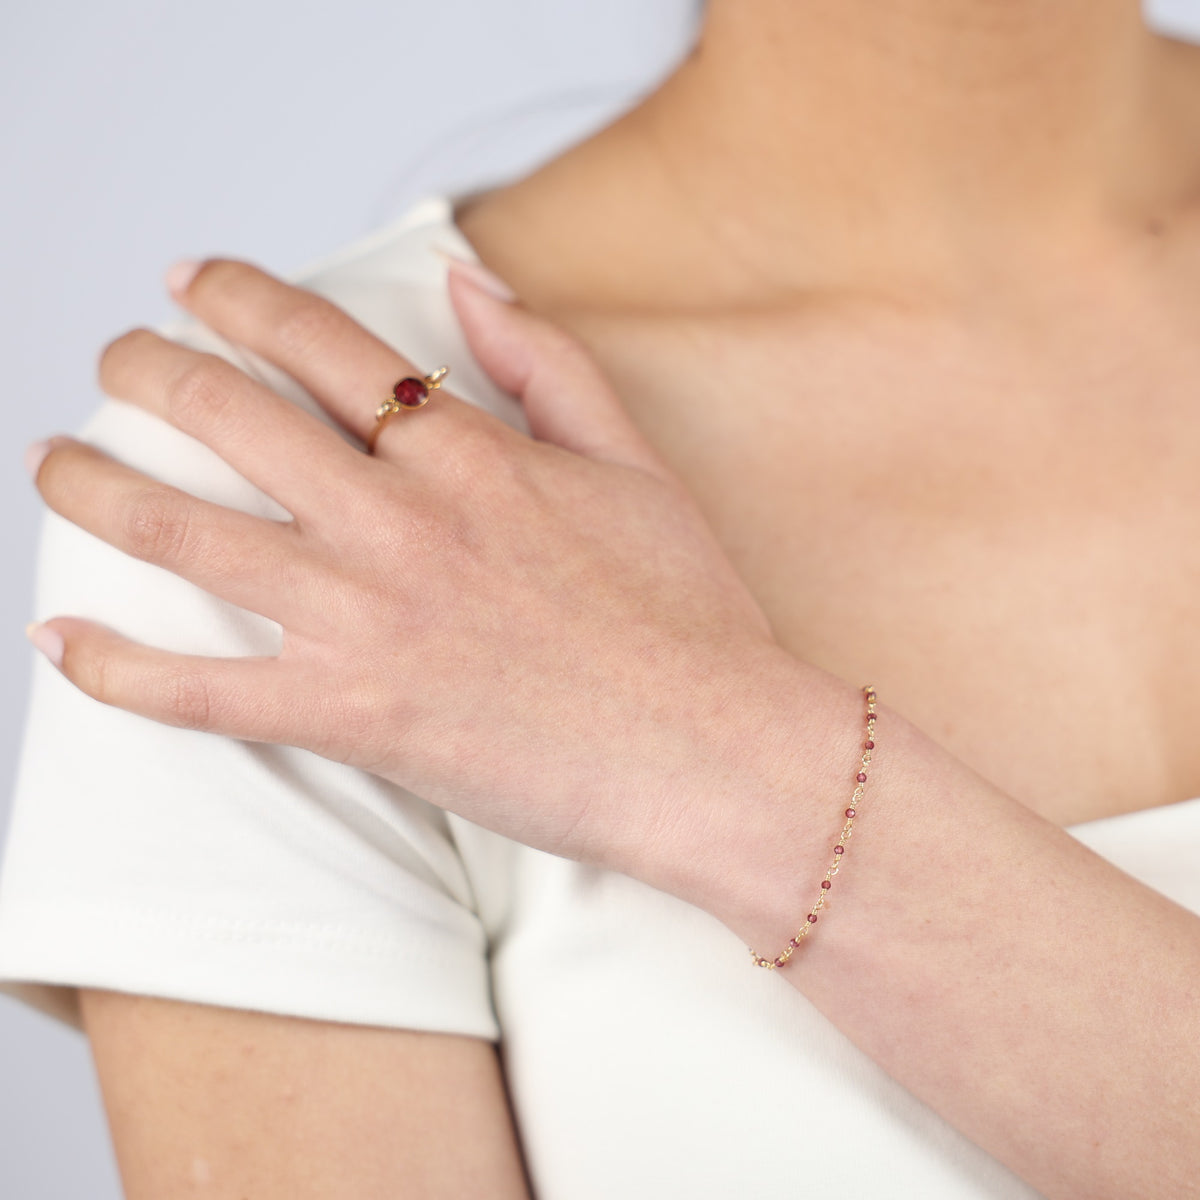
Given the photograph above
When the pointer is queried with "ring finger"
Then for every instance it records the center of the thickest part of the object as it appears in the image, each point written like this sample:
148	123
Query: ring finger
346	368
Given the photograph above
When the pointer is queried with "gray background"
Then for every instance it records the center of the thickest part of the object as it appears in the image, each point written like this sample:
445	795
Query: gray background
134	133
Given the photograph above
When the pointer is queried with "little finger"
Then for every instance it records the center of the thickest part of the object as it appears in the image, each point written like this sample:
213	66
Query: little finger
250	698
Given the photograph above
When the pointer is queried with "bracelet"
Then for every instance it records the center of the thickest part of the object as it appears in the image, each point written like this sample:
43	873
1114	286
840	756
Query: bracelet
838	850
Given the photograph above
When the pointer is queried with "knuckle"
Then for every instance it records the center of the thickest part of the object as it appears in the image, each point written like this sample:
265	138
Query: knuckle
343	723
367	716
198	395
186	698
90	671
476	451
455	543
156	526
417	542
307	326
438	532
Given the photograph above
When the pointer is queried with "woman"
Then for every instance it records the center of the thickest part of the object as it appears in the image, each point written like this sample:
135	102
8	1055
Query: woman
895	303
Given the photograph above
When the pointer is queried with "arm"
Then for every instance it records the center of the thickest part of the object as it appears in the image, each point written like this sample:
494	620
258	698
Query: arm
627	706
228	1103
1038	998
250	877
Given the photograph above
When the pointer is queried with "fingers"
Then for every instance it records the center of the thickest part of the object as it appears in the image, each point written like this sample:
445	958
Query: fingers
265	438
566	396
346	368
252	562
240	697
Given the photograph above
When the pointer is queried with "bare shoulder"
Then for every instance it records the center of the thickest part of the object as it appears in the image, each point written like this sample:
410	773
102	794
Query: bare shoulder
234	1102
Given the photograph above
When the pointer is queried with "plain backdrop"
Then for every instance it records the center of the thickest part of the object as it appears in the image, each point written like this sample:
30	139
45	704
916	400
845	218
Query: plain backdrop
134	132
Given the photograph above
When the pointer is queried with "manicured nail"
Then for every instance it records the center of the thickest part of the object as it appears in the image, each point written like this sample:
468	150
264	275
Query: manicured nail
180	274
47	641
479	275
33	457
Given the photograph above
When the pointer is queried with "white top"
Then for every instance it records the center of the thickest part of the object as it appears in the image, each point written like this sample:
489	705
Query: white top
645	1056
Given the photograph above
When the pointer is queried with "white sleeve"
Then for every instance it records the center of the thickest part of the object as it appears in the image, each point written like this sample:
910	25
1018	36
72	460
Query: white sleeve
176	863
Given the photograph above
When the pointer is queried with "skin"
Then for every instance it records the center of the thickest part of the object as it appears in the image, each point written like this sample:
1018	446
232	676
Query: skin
216	1102
993	370
961	300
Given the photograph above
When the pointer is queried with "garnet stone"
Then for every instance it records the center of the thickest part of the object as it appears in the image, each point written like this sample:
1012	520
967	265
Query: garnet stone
411	393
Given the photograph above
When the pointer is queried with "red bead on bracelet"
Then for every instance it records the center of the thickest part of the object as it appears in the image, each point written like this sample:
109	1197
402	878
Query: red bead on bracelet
860	781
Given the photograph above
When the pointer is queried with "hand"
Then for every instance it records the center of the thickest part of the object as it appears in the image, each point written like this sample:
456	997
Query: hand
540	634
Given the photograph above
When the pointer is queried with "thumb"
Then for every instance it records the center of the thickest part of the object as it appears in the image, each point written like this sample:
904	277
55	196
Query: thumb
566	396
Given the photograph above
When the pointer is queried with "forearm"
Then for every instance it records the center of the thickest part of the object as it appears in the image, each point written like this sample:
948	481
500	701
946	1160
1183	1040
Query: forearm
1038	998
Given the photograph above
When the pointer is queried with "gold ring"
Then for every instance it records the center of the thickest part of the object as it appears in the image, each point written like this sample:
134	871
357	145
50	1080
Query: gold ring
407	393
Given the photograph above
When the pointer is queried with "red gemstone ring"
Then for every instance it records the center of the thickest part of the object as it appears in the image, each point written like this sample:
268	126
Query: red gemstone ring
408	393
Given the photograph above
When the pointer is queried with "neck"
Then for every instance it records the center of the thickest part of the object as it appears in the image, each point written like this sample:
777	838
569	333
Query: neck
916	131
909	147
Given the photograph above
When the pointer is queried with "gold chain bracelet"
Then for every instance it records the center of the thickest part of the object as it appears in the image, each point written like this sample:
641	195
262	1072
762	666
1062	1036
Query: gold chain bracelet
838	851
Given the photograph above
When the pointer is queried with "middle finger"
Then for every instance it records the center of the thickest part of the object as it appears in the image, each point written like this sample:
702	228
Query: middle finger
268	440
253	562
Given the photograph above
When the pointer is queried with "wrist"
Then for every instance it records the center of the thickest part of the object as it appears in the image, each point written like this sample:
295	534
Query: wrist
752	841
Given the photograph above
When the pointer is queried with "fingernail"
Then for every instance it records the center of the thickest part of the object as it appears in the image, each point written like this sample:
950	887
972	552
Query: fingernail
47	641
34	455
479	275
180	274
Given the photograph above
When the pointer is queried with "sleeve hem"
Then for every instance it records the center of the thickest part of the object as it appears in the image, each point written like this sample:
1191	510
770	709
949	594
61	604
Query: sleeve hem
47	952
